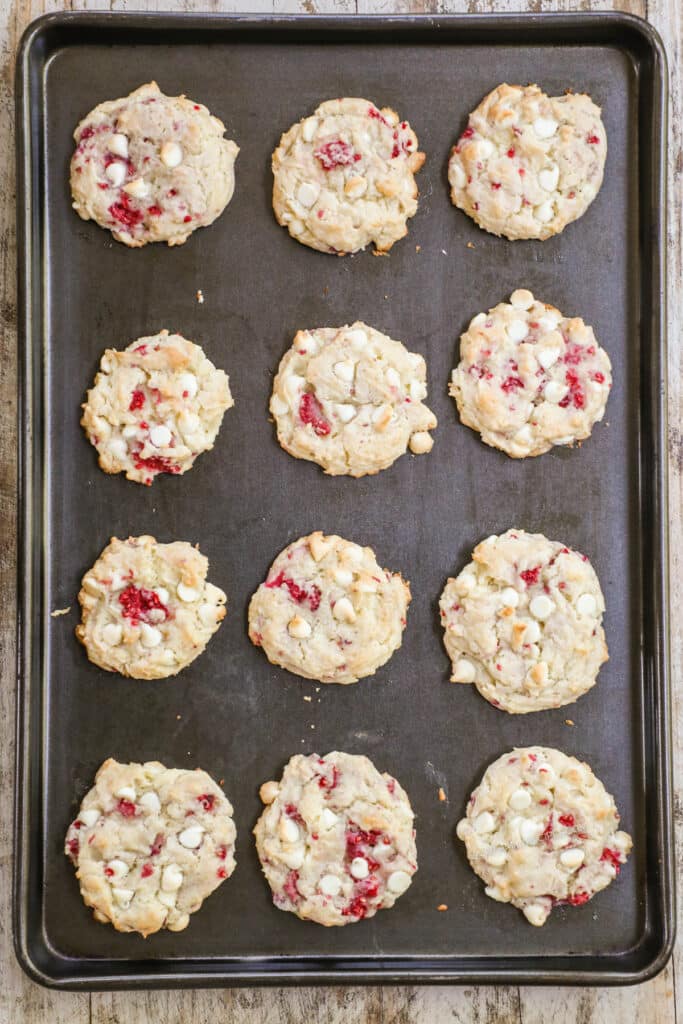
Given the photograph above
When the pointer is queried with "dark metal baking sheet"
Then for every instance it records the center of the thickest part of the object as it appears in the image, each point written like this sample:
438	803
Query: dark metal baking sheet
231	712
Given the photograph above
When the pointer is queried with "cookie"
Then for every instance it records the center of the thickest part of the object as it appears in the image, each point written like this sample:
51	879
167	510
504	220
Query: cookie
530	378
155	407
528	164
350	399
151	168
541	831
523	622
336	840
344	177
327	611
147	608
150	844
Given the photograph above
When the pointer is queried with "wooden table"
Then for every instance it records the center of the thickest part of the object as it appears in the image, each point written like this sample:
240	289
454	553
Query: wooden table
21	1001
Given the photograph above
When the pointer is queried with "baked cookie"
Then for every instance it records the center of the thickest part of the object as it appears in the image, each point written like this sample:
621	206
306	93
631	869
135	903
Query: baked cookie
155	407
327	611
150	844
523	622
530	378
528	164
350	399
152	168
344	177
147	608
336	840
542	832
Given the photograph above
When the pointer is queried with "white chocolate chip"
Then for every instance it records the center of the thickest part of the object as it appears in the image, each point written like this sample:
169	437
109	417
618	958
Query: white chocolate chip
122	896
522	298
549	321
398	882
554	391
294	857
464	671
207	615
458	174
89	817
191	837
129	431
126	793
541	607
484	149
353	552
188	382
344	577
517	330
343	610
118	145
160	436
308	193
530	832
393	378
328	819
299	628
150	636
545	127
268	792
509	597
484	822
536	914
112	634
171	878
344	370
150	802
296	227
547	357
418	390
289	831
330	885
359	868
586	605
532	633
549	177
356	187
545	212
171	154
167	899
118	448
358	338
520	799
547	770
319	545
137	188
277	406
572	858
497	857
294	385
309	128
187	594
116	173
480	318
345	412
163	594
118	868
494	893
421	442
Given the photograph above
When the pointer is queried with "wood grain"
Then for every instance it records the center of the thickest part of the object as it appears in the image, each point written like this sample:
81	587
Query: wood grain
21	1001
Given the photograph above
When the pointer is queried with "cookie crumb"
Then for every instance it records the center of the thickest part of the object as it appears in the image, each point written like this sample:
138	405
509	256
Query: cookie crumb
471	245
442	795
444	252
312	727
178	717
442	906
200	296
378	252
568	721
309	699
418	248
60	611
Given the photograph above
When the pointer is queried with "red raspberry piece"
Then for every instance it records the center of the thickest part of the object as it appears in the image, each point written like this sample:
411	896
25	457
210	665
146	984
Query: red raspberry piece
578	899
326	783
575	395
290	886
109	872
567	820
147	870
511	384
154	211
137	400
530	576
511	152
314	598
221	852
310	411
356	908
292	811
495	185
468	133
73	847
138	602
547	833
593	140
222	873
124	213
87	133
126	808
335	154
598	377
378	116
157	464
357	838
612	857
157	845
187	218
207	800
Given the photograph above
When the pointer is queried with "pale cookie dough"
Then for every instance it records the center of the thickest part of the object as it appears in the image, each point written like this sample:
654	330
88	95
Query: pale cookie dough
147	608
530	378
528	164
344	177
350	399
523	622
150	844
541	831
336	840
155	407
152	168
327	611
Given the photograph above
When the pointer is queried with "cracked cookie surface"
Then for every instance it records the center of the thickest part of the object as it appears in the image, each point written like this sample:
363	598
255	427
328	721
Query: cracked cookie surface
523	622
541	831
350	399
151	168
149	844
154	407
344	177
327	611
147	608
529	377
528	164
336	840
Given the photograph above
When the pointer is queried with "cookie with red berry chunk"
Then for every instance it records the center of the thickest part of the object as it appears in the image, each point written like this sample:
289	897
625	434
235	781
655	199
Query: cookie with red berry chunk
336	840
149	845
152	168
523	622
529	377
327	611
541	831
350	399
528	164
147	609
154	407
345	177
